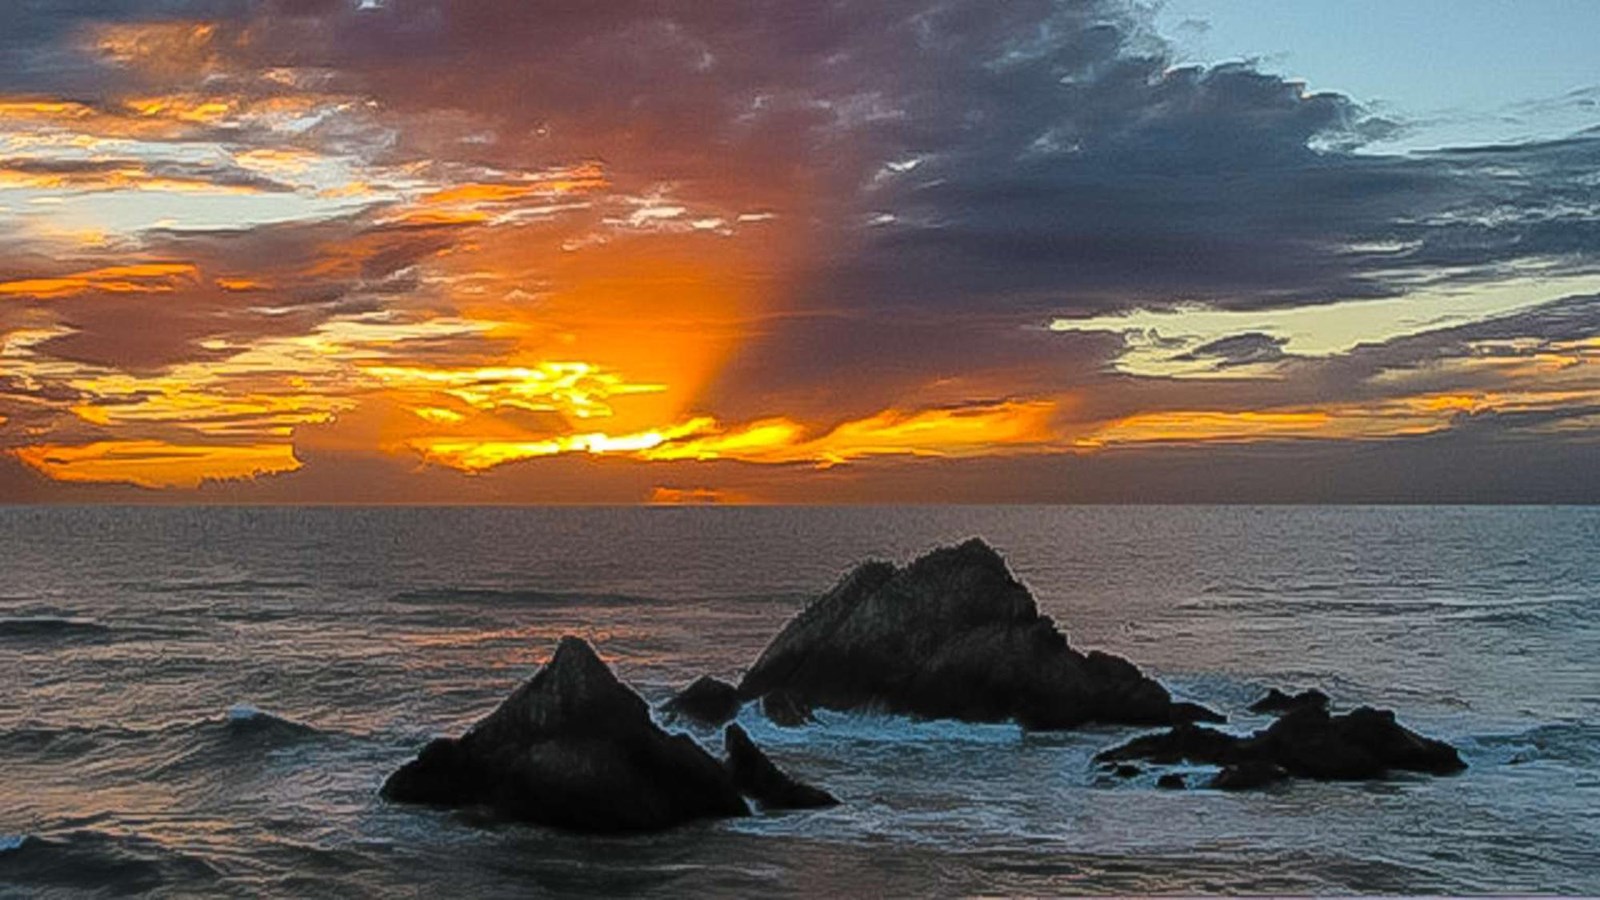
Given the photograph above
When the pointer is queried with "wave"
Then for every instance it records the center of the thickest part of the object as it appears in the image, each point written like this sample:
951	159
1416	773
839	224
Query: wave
89	860
245	721
51	628
218	585
1291	603
46	744
218	747
1573	743
243	733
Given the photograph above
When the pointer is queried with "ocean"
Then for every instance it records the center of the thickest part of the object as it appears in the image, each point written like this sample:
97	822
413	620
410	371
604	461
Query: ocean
204	701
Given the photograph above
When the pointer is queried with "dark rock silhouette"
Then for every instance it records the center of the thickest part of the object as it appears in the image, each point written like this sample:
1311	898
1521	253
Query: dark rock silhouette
787	710
1171	781
1246	776
759	779
952	635
1182	743
1184	711
1359	745
707	701
572	748
1127	770
1277	703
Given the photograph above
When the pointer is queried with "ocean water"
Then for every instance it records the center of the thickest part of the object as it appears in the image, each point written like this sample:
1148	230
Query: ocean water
205	701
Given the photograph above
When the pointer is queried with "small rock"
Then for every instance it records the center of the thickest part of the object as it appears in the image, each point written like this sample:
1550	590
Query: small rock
759	779
1276	702
1172	781
1127	770
707	701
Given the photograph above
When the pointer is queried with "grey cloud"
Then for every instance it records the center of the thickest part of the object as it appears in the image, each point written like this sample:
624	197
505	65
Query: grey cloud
1238	350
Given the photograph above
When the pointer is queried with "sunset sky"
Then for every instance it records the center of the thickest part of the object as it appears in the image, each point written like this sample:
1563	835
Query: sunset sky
891	251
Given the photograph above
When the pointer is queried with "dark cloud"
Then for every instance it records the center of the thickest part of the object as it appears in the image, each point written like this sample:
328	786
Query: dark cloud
101	173
945	177
1249	348
40	48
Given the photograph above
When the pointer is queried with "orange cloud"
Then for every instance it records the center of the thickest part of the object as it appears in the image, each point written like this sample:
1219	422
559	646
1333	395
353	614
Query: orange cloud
697	496
138	278
160	48
1006	427
576	388
156	464
1396	417
241	285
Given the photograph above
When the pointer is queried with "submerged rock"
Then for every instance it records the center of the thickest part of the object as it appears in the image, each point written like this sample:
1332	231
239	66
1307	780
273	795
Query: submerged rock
759	779
1277	703
952	635
1359	745
707	701
572	748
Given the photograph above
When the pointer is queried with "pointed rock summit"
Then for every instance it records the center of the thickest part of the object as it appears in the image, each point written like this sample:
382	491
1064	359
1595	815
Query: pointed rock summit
953	635
573	748
706	701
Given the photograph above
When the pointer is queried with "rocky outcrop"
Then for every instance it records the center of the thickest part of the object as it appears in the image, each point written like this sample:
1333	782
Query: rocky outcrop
1363	744
759	779
952	635
1277	703
706	701
572	748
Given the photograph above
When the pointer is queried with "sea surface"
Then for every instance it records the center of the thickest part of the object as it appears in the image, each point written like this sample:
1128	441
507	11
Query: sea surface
204	701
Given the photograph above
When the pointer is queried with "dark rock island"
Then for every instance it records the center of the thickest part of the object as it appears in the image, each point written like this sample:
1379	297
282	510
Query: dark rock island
575	748
706	701
1309	742
952	635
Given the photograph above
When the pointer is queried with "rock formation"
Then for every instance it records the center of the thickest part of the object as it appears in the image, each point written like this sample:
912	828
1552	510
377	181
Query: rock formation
573	748
1277	703
707	701
759	779
952	635
1363	744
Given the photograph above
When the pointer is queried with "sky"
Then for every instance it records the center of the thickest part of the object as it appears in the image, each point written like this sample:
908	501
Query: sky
417	251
